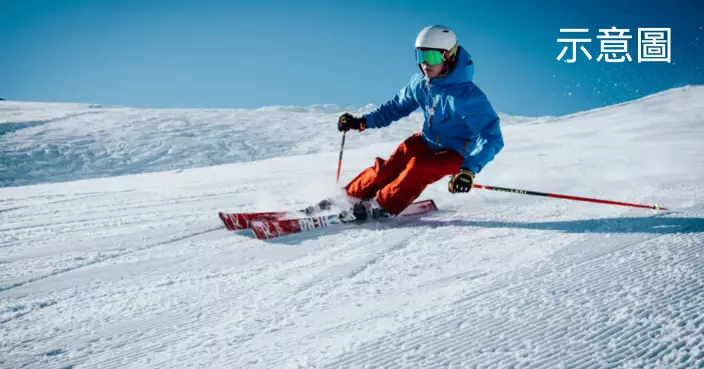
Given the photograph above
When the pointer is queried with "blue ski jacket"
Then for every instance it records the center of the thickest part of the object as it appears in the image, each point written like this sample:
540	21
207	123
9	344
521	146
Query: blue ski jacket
458	115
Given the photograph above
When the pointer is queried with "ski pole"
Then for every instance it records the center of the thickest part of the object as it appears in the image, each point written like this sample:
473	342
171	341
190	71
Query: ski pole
566	197
339	162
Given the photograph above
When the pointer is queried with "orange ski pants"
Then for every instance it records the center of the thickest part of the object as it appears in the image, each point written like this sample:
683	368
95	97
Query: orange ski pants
399	180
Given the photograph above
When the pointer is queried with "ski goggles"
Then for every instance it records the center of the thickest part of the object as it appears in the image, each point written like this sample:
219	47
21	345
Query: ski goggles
432	57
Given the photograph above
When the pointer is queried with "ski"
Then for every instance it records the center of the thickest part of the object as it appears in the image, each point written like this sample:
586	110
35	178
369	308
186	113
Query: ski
269	228
238	221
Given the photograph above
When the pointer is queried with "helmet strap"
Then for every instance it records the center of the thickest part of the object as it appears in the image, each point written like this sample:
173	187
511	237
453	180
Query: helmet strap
450	61
450	54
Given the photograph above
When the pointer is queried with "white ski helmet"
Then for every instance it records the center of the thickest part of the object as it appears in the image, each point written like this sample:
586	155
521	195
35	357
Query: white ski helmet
436	37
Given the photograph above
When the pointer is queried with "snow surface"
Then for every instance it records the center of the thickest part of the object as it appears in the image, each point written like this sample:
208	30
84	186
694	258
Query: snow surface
137	271
42	143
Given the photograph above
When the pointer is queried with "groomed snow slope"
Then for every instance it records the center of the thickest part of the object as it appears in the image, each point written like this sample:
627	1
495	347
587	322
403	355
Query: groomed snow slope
136	271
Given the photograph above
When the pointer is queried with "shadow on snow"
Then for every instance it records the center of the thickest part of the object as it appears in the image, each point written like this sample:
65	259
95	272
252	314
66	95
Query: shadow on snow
646	225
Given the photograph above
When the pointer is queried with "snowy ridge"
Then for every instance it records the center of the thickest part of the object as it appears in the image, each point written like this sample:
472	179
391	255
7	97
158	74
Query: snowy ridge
137	271
44	143
55	142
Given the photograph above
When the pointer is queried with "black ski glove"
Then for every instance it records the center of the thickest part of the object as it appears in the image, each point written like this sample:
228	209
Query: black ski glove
347	122
461	182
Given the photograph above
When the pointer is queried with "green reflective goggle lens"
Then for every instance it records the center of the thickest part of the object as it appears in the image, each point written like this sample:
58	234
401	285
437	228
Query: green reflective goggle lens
433	57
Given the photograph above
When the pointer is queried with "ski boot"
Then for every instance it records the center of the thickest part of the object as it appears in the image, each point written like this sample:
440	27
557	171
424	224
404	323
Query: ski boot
323	205
366	210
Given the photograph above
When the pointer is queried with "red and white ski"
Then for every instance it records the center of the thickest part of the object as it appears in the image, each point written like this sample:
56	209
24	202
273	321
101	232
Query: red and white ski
237	221
269	228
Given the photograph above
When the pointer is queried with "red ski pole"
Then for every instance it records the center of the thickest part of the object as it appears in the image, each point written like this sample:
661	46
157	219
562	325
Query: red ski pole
566	197
339	163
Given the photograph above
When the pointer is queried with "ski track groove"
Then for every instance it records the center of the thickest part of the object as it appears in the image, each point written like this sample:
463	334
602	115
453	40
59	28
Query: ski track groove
11	209
467	276
90	226
88	219
371	353
345	274
109	257
62	201
154	329
249	326
165	327
344	271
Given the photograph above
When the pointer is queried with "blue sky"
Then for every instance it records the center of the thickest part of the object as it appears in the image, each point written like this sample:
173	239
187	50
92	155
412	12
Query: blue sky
231	54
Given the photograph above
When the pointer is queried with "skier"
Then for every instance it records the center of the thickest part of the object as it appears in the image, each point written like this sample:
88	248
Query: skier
460	133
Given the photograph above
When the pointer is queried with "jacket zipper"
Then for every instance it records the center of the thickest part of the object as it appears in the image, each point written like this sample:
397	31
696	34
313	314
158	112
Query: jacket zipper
435	100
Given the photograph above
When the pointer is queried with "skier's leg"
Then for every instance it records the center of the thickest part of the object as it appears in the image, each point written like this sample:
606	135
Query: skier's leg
372	179
420	172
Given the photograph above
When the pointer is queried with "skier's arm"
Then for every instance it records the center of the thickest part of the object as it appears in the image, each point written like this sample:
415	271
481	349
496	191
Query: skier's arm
486	140
402	105
488	143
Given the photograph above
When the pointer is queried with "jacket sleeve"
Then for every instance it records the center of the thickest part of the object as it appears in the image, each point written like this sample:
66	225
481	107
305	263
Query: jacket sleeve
489	142
486	139
402	105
